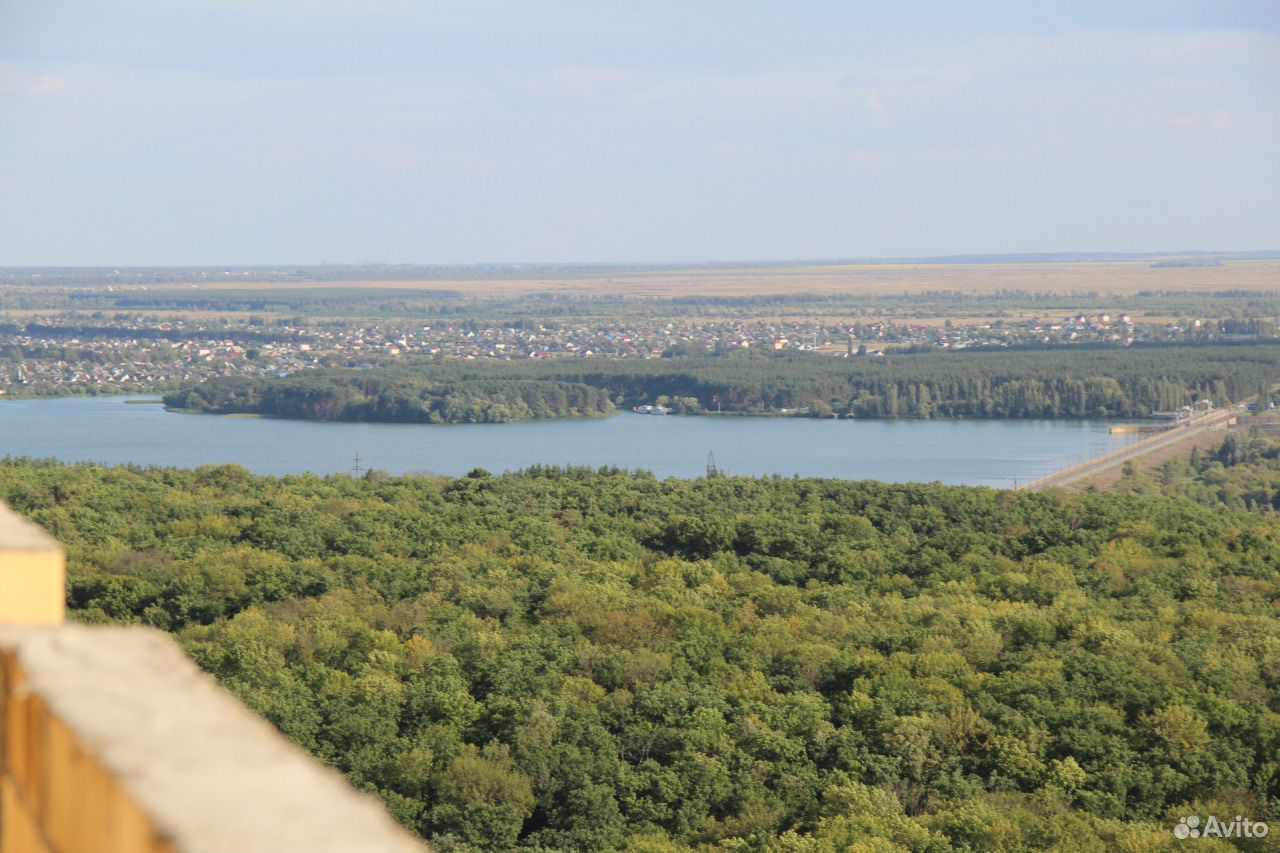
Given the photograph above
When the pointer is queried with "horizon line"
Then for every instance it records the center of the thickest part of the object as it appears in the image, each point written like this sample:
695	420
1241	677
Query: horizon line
960	258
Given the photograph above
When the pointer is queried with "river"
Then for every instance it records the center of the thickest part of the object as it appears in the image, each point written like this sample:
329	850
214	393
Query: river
988	453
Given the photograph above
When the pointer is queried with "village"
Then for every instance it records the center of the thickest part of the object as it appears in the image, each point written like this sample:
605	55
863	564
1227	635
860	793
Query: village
67	353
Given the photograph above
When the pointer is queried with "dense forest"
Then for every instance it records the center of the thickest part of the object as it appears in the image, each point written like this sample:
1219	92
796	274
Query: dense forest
394	396
1062	382
1072	382
576	660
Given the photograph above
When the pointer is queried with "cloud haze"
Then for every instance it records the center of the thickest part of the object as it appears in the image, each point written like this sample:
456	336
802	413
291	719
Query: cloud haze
279	131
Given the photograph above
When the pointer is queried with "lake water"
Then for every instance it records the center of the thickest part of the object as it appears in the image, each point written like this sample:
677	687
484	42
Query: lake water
989	453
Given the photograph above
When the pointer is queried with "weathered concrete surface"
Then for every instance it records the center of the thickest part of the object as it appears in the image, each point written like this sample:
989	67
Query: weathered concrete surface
32	573
202	770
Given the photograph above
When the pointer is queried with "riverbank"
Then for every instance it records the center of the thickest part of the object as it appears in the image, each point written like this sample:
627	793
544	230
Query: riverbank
1215	421
1152	461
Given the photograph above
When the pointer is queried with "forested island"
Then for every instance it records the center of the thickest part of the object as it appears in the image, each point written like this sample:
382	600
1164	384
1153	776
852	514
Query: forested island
580	660
1033	383
394	396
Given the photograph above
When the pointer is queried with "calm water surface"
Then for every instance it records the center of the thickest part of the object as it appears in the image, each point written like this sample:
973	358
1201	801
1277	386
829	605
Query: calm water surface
990	453
995	452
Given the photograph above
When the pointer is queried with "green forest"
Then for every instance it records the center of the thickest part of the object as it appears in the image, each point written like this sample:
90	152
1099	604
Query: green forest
393	396
581	660
1076	382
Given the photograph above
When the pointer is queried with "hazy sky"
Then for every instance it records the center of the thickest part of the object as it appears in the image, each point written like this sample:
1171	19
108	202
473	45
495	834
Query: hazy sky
301	131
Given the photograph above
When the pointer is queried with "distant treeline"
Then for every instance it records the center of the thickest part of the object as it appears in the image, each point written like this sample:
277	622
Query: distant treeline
78	331
393	396
1060	383
282	299
434	299
1072	382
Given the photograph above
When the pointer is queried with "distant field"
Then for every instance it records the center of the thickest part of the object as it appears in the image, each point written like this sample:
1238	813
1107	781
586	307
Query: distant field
1118	278
916	292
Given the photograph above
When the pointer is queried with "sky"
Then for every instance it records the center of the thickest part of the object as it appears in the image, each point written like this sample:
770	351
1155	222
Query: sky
193	132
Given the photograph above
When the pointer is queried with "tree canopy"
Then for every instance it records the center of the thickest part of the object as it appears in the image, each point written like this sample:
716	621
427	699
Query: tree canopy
394	396
1078	382
580	660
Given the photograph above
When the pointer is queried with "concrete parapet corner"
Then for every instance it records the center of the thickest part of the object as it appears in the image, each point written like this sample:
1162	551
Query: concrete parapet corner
32	574
114	740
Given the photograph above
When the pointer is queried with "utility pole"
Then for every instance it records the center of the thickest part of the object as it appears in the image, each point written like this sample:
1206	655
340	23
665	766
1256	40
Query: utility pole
712	470
357	468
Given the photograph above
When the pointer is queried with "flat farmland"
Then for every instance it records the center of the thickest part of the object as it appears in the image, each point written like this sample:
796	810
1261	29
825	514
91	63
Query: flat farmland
1101	278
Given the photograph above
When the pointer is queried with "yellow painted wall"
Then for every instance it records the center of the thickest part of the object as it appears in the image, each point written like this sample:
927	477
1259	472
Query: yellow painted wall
54	795
32	587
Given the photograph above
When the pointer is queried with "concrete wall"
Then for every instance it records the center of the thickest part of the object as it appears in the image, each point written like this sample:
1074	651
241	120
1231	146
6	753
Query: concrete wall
54	794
